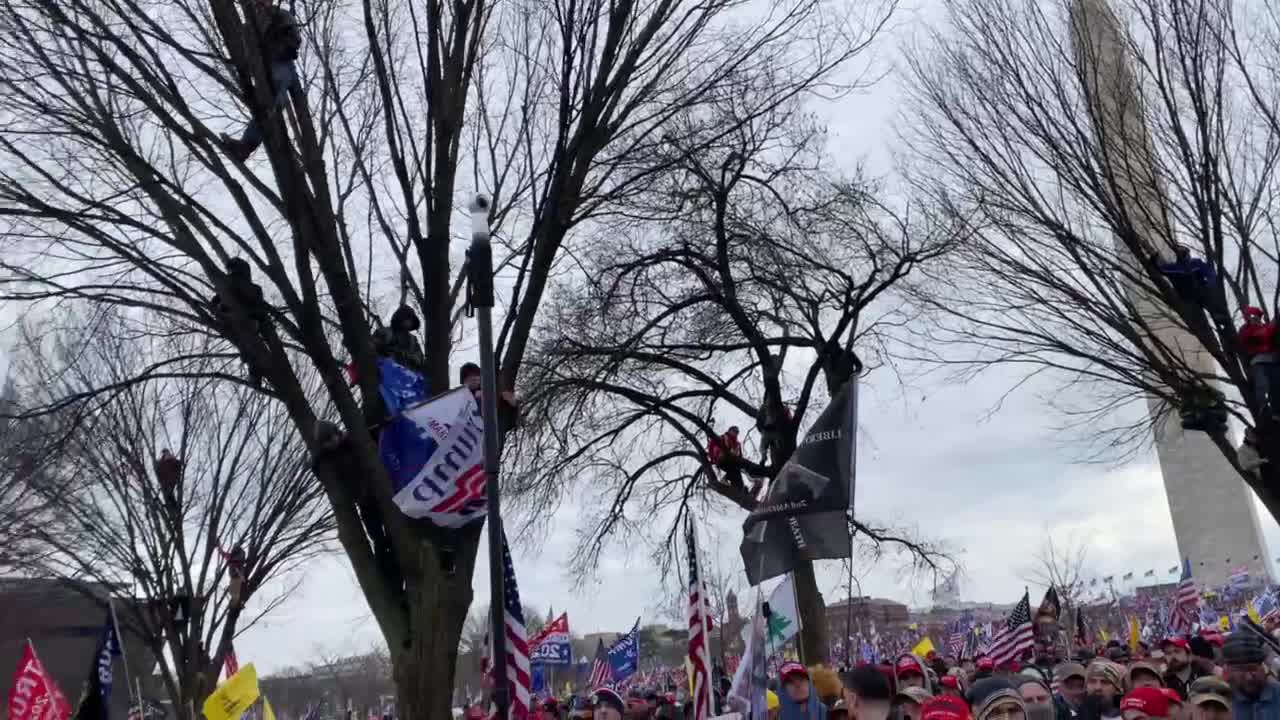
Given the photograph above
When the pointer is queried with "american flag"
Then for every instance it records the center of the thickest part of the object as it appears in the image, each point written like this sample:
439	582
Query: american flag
1239	578
1186	601
601	673
518	676
955	643
1016	638
697	612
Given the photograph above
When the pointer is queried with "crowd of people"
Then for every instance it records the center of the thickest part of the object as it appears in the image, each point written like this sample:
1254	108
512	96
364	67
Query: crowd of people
1205	676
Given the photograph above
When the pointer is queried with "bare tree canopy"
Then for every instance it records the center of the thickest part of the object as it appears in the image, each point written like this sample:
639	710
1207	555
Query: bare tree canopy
187	495
741	307
116	191
1061	563
1082	150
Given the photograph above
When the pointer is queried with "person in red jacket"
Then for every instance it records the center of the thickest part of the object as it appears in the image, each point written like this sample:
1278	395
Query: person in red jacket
1257	343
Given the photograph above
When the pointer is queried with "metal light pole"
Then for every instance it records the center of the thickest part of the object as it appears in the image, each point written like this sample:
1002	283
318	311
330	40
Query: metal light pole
480	279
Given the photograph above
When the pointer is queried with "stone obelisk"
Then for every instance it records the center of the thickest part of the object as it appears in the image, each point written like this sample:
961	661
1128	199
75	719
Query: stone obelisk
1214	518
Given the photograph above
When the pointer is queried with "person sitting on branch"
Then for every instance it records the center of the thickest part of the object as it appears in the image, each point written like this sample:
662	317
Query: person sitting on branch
1257	342
279	45
169	475
236	571
1195	281
249	296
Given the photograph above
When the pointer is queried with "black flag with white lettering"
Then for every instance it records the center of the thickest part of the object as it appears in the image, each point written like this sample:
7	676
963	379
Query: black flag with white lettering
804	515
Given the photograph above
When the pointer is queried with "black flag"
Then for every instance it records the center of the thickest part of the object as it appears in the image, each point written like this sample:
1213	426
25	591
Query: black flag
95	702
804	516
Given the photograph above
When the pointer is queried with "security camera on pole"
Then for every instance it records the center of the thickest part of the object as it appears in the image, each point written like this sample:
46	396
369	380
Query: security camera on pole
480	297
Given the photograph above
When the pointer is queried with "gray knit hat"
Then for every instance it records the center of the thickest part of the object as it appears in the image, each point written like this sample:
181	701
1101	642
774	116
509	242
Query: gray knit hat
1242	648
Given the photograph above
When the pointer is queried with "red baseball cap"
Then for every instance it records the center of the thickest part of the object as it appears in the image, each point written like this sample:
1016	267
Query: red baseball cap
793	668
1175	642
945	707
986	663
908	664
1149	701
949	681
1172	696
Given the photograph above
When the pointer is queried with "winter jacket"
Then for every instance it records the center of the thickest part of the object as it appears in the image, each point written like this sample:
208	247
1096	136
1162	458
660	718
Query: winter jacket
1196	270
811	710
1257	339
1199	668
280	38
1265	707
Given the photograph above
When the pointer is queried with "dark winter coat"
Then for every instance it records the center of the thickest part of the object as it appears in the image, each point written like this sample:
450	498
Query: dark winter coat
281	38
1266	707
1199	668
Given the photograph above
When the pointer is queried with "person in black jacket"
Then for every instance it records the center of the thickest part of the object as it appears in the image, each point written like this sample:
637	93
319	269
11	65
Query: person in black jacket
279	46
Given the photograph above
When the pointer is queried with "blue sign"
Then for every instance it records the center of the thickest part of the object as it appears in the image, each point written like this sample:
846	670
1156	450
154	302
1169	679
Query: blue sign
624	655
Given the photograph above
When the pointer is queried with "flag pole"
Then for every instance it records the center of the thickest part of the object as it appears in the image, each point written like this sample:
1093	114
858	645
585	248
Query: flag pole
481	298
124	656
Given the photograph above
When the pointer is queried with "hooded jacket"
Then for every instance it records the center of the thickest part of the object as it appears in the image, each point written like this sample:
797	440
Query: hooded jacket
812	709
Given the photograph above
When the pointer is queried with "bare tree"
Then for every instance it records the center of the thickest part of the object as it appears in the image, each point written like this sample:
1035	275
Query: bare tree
741	307
191	495
116	192
1063	564
1081	150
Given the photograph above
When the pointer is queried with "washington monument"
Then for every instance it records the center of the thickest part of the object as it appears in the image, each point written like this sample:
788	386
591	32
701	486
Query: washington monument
1214	519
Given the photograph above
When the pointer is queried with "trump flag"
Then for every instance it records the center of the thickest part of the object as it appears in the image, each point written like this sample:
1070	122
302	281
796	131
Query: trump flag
551	646
434	453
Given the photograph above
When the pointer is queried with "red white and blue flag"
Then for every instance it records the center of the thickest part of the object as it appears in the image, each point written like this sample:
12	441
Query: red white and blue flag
699	661
551	646
601	672
519	679
1016	638
1186	602
434	454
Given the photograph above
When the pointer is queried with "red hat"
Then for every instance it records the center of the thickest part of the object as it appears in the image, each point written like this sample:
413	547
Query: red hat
1213	637
986	664
949	681
945	707
475	712
1175	642
1172	696
792	668
908	664
1147	700
932	654
1252	311
550	704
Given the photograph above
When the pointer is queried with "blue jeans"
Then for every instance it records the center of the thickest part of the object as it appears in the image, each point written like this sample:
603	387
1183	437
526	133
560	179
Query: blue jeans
283	77
1266	380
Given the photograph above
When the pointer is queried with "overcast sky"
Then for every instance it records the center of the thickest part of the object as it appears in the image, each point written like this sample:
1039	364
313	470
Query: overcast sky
929	455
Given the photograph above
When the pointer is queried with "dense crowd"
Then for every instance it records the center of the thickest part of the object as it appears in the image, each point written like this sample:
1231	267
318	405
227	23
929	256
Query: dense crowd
1204	676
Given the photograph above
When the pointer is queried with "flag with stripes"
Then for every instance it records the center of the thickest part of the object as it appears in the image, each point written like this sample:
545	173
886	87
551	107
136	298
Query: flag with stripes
1016	638
1186	602
230	665
601	673
519	679
699	662
1239	578
955	642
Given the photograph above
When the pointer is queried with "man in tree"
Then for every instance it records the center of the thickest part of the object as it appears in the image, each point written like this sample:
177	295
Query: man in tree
169	474
398	341
279	45
249	296
1257	343
1194	280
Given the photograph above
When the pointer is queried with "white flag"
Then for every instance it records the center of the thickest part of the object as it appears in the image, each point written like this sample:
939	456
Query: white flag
784	619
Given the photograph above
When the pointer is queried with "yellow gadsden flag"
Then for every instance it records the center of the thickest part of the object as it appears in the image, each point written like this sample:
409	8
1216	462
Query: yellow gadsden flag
1134	633
234	696
923	648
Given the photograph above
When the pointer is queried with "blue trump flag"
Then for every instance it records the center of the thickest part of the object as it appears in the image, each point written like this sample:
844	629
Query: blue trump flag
624	654
95	704
434	454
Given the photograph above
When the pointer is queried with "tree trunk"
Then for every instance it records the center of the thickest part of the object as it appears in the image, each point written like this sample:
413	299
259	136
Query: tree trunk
813	615
424	661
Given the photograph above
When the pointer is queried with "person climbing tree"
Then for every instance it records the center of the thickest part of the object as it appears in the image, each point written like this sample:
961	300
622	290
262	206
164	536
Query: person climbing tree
1195	281
249	295
398	342
469	375
236	572
169	475
771	432
1203	408
279	45
1257	343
